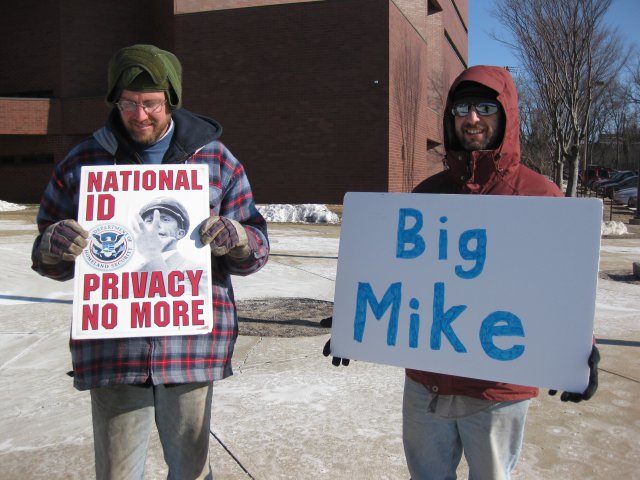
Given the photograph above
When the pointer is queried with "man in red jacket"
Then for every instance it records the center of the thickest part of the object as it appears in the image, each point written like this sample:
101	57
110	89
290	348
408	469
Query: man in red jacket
445	415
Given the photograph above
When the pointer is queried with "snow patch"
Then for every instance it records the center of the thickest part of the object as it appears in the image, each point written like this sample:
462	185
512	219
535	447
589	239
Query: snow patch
613	228
319	213
10	207
303	213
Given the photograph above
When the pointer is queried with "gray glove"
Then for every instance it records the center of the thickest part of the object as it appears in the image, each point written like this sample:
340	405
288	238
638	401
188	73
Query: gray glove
63	240
225	236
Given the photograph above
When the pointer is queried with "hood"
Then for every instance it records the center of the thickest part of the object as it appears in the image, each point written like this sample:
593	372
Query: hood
192	132
477	168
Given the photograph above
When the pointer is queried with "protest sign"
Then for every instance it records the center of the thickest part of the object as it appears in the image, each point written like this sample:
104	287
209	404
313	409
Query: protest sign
145	271
498	288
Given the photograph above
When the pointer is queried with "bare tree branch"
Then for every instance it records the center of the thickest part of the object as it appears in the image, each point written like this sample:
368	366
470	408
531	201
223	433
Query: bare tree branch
567	54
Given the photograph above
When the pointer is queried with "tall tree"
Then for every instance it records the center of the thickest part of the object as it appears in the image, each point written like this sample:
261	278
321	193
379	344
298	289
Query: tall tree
634	79
566	53
535	136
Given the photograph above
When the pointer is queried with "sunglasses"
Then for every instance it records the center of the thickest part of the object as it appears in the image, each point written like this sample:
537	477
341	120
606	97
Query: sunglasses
483	109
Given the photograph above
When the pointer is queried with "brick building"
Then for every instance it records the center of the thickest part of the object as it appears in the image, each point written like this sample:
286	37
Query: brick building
316	97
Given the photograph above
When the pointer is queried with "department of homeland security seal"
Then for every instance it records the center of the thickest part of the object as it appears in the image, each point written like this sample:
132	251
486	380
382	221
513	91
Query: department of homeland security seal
110	247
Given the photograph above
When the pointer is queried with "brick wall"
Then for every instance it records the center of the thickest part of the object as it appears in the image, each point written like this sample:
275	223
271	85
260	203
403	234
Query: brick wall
90	34
82	116
446	63
28	116
408	97
426	37
301	91
24	183
415	12
29	50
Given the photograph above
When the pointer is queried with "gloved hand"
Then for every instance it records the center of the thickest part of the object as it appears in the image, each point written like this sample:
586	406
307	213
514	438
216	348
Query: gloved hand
594	359
326	351
63	240
225	236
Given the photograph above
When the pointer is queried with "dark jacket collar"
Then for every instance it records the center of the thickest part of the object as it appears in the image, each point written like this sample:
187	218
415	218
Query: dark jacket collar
192	132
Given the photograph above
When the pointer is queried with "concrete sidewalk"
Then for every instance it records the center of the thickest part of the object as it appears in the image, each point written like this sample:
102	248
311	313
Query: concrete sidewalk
287	413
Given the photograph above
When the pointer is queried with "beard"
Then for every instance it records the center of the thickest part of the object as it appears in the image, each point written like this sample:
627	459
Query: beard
489	140
147	132
473	145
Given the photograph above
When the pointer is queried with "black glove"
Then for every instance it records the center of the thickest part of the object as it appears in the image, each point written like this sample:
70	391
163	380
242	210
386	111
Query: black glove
326	351
594	359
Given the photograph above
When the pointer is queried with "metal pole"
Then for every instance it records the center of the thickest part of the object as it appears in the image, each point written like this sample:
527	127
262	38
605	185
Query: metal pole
637	215
584	160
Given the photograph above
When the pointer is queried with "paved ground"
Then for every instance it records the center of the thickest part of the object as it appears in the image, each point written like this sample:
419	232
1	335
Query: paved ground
287	413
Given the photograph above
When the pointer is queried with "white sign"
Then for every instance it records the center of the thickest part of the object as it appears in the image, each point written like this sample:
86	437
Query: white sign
145	271
498	288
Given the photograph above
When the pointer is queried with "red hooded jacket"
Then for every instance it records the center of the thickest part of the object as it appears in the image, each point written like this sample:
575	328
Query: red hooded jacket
484	172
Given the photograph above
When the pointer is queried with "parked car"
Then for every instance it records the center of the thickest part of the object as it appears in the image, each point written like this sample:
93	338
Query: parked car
595	172
599	186
595	181
623	195
629	181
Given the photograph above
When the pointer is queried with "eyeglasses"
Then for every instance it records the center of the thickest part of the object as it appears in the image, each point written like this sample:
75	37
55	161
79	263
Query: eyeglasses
150	106
483	109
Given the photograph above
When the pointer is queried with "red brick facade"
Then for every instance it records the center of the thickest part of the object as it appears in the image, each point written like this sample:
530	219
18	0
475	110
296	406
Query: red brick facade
316	97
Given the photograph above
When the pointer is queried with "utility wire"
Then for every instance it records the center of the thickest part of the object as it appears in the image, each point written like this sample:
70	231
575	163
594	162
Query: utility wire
306	271
232	456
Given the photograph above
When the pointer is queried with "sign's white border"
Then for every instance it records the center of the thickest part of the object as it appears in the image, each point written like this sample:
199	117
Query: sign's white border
105	288
499	288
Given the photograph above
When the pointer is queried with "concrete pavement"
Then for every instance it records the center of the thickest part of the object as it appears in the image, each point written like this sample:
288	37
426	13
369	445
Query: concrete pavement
287	413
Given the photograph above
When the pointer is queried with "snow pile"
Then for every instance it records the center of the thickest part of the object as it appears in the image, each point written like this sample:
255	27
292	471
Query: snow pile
10	207
319	213
303	213
613	228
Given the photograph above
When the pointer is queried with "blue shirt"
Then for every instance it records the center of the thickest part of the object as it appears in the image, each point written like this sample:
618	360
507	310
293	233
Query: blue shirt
154	153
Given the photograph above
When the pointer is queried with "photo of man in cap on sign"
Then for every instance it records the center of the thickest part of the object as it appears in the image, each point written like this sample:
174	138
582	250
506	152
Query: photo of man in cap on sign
166	380
157	229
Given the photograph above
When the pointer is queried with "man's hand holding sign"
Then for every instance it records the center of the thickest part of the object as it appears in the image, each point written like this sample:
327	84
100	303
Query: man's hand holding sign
225	237
592	386
62	241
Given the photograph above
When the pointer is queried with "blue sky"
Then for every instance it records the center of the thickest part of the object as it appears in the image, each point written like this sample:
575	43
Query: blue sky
483	50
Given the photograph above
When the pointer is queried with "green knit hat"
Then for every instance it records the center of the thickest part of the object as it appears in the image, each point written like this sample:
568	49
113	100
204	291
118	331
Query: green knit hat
145	68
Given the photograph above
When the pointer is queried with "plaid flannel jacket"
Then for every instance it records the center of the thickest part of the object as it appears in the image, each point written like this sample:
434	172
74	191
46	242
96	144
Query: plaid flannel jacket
173	359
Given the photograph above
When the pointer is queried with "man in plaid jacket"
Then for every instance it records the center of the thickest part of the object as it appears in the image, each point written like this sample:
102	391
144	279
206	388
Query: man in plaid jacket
136	380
